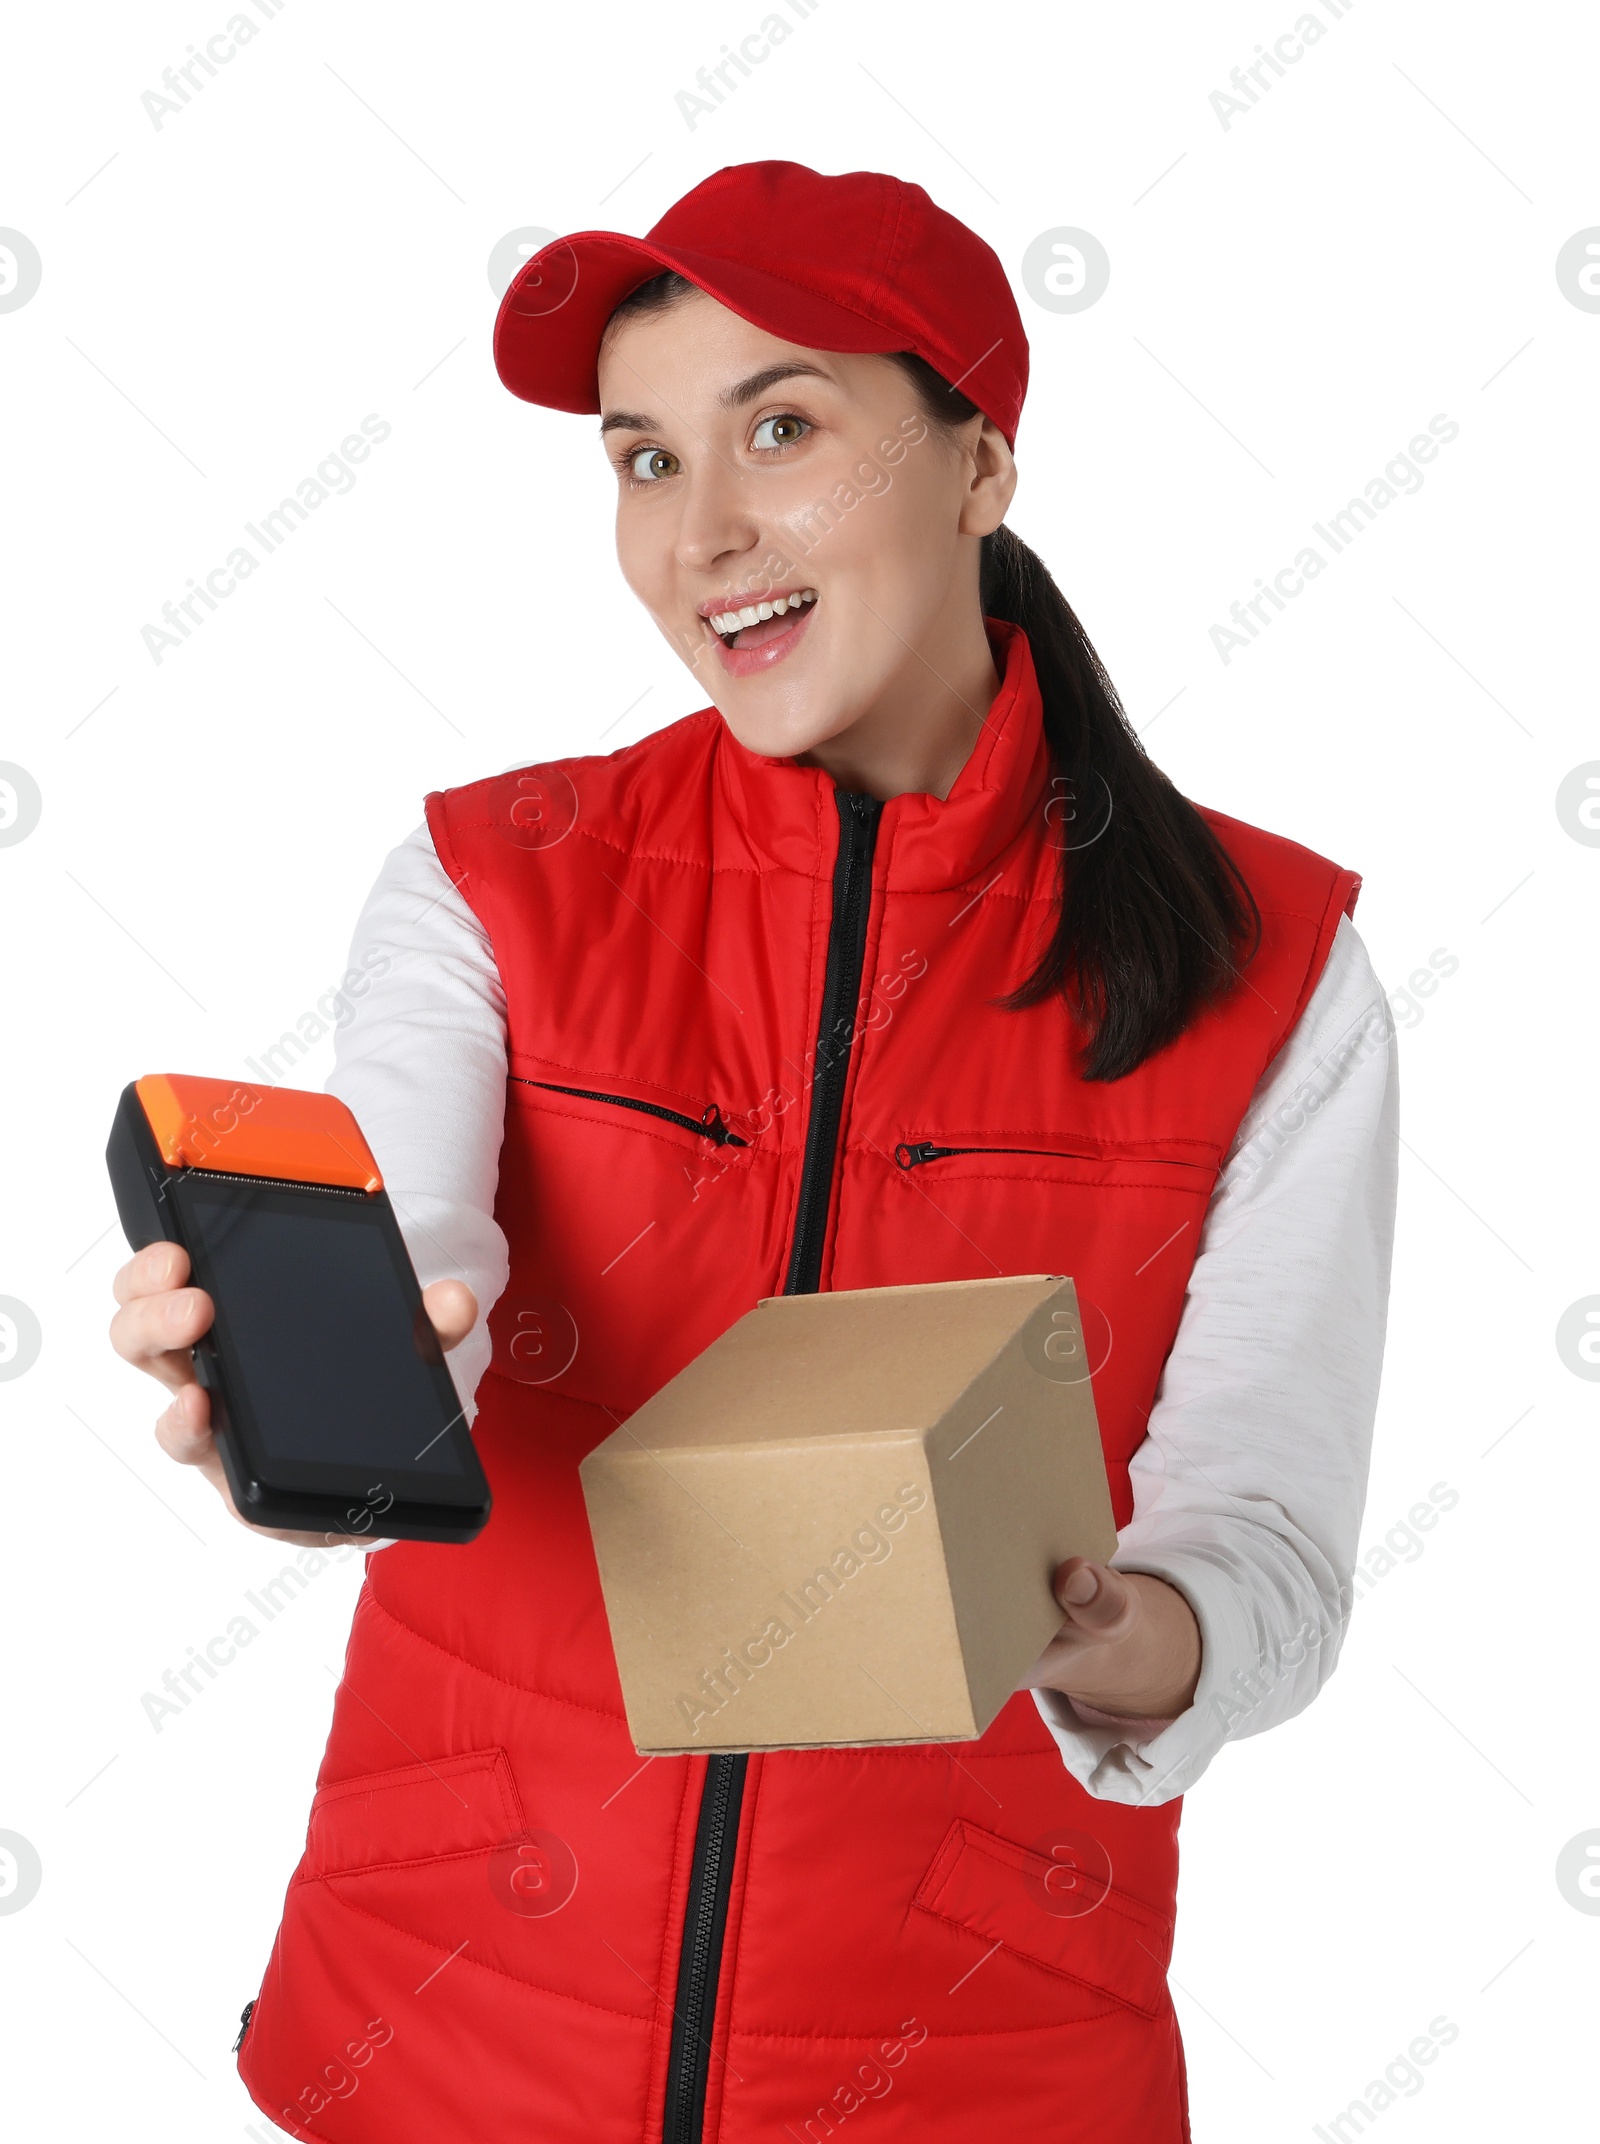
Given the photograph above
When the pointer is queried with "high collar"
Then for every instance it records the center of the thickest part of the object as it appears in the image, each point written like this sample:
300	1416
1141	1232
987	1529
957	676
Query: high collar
786	811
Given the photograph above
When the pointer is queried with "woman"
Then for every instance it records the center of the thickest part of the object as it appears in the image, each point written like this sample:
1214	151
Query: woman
898	962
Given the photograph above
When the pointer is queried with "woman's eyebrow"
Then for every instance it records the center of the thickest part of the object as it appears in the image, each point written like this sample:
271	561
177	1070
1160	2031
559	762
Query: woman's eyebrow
746	390
759	382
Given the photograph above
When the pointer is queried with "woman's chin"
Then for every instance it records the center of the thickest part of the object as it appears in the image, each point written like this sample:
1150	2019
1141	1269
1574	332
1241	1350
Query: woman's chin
786	732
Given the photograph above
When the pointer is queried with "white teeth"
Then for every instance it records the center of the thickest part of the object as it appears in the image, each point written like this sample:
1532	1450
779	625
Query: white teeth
732	621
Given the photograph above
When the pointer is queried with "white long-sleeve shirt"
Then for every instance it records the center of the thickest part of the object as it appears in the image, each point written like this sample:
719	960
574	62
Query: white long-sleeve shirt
1248	1488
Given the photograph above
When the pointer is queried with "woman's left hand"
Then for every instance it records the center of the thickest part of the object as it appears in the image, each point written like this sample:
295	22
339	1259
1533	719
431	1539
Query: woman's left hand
1130	1643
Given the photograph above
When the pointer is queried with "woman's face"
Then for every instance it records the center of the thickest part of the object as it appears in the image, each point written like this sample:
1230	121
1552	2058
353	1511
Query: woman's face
752	470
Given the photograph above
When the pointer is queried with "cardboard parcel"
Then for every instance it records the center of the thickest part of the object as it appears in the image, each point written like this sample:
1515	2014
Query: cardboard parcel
837	1526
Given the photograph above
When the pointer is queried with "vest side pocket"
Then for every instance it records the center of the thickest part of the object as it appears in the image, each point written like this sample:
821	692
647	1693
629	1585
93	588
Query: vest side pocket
416	1812
998	1892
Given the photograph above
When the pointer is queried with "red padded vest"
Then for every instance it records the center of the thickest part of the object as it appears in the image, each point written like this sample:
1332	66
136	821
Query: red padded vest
752	1047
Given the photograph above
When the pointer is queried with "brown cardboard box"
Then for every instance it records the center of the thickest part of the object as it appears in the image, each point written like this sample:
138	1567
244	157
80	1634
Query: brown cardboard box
837	1525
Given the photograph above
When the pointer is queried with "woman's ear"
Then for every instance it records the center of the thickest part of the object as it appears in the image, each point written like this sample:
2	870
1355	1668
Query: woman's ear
991	483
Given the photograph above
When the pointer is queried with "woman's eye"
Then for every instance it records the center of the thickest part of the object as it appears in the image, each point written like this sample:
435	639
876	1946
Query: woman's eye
650	463
780	431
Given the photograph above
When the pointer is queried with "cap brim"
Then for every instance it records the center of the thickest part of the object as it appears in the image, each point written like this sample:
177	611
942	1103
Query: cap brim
548	329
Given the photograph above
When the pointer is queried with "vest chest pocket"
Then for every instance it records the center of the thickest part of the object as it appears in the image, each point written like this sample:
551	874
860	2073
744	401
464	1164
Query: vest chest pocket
638	1229
709	1125
1112	1164
1026	1202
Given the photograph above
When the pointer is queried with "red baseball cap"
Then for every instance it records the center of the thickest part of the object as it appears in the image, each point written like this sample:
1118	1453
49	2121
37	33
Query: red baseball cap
856	261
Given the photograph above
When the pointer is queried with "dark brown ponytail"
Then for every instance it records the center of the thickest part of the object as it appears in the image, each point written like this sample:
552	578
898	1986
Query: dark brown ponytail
1155	919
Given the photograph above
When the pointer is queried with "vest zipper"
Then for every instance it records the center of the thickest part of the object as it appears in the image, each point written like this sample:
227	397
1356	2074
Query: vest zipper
710	1126
705	1917
244	2025
911	1152
717	1832
841	987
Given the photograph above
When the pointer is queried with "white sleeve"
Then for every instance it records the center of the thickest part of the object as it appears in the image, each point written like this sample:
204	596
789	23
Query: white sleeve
422	1063
1249	1487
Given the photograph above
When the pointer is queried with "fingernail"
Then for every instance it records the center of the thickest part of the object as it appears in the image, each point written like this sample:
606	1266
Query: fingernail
1081	1587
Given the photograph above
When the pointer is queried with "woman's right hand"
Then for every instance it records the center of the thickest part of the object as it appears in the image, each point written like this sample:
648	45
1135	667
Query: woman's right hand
160	1319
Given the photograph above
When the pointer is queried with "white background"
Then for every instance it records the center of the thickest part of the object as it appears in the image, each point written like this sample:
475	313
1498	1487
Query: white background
1292	298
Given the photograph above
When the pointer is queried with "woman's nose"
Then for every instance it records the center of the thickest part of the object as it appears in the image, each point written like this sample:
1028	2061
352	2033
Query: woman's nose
715	526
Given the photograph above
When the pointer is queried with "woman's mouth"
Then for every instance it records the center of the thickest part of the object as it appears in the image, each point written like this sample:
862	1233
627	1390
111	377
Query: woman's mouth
754	635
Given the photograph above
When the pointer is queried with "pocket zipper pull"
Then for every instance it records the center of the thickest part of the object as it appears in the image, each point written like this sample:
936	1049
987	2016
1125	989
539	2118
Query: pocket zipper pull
910	1151
244	2025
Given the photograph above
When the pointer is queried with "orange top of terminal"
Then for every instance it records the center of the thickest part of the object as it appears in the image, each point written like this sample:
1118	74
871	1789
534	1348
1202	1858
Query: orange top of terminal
242	1130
